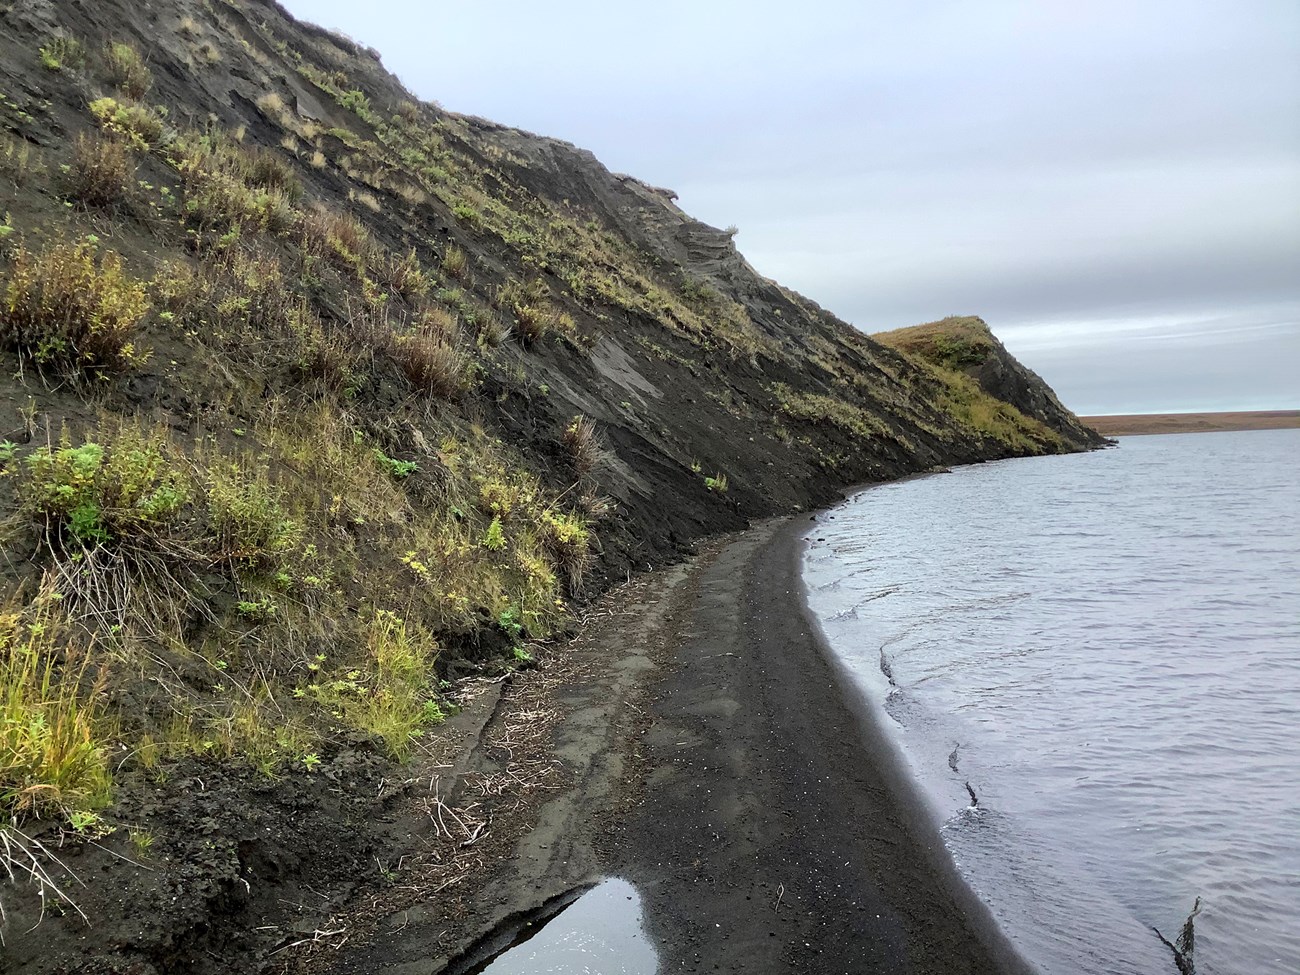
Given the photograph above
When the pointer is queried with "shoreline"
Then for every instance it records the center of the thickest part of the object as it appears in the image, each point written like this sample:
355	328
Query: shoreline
787	793
704	748
696	738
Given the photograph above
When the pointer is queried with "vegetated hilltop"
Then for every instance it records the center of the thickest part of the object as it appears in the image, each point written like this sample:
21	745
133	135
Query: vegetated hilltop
316	397
966	345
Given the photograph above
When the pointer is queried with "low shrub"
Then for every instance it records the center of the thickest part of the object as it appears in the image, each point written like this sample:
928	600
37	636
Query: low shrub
250	526
127	71
63	53
139	124
71	306
101	171
90	494
229	187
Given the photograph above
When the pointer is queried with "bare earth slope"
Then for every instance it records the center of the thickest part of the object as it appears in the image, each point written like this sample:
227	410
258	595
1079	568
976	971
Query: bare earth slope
322	410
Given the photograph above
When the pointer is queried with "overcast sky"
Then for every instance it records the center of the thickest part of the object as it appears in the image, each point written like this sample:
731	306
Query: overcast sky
1113	186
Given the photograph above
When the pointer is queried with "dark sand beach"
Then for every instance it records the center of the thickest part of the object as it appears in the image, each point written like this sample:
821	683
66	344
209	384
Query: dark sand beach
700	744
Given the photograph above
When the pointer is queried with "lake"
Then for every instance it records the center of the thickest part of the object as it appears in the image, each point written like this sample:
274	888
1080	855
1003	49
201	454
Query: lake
1103	650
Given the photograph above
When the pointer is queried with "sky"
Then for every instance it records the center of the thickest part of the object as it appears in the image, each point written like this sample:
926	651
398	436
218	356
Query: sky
1113	186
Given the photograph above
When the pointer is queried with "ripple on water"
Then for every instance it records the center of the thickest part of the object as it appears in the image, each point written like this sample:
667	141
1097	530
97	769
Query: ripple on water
1111	639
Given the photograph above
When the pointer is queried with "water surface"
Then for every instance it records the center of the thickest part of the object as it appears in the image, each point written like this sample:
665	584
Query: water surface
602	932
1106	648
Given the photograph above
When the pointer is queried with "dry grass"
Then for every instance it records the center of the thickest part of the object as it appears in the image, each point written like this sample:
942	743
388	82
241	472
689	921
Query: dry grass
455	263
432	365
583	443
101	172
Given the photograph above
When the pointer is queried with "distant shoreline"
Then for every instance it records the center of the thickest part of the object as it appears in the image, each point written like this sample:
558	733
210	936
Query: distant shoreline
1137	424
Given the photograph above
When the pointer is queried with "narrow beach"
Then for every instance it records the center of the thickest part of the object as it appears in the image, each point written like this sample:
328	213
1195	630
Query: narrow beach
699	743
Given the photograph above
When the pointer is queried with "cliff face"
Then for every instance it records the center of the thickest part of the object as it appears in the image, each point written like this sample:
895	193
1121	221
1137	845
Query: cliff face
317	396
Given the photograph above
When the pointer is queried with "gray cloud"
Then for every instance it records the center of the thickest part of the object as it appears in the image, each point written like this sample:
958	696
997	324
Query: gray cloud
1084	176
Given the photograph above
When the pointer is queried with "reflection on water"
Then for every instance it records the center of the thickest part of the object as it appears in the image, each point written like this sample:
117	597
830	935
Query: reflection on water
599	933
1106	647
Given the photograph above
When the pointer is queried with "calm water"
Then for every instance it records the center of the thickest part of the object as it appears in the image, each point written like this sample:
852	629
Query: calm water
600	933
1107	648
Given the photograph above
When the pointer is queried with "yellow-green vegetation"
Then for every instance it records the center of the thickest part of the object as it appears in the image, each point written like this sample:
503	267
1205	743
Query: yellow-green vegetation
239	567
535	317
944	351
89	495
953	343
980	415
52	762
126	70
229	188
390	699
62	53
819	408
73	306
141	125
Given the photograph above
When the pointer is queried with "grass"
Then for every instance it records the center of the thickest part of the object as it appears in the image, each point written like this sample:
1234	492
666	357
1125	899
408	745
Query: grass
229	189
19	162
52	763
126	70
953	343
432	365
582	441
391	698
821	408
73	307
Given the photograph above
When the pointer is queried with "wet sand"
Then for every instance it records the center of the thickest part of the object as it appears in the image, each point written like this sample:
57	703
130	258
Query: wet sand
706	750
776	833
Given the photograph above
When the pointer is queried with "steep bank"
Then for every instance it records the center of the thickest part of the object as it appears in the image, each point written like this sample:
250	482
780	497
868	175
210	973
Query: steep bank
709	754
322	404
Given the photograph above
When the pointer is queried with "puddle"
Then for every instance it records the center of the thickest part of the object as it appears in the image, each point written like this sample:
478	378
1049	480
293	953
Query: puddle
596	931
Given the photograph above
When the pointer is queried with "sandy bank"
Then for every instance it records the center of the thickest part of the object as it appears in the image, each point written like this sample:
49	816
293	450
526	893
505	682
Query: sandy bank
698	742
